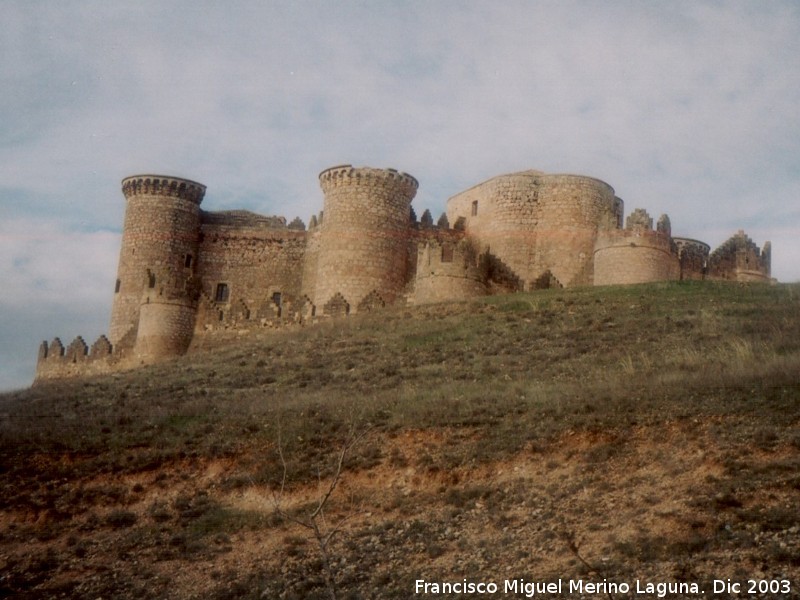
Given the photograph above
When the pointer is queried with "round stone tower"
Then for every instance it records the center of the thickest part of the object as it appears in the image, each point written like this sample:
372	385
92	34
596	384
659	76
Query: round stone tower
538	224
363	239
573	210
156	266
636	254
500	215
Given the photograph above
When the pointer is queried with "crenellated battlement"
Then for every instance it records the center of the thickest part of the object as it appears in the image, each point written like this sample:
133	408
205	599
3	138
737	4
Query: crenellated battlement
161	185
56	361
247	219
347	175
184	271
740	259
636	254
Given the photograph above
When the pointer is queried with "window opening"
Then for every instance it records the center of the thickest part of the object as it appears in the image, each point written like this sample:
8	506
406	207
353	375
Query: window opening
187	261
222	293
447	253
474	208
117	286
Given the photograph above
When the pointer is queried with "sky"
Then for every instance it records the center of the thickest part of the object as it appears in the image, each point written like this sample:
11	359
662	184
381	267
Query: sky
685	108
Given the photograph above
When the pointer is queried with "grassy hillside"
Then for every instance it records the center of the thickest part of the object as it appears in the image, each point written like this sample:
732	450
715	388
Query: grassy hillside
645	432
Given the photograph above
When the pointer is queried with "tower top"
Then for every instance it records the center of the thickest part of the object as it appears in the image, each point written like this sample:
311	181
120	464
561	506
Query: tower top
163	185
349	175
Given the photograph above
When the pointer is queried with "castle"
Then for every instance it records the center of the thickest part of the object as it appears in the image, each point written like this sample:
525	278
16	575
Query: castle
184	271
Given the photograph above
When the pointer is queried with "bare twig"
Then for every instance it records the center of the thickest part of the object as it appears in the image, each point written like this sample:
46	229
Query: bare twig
572	544
315	521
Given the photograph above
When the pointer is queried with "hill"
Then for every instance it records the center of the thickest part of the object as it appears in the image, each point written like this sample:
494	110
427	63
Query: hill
642	433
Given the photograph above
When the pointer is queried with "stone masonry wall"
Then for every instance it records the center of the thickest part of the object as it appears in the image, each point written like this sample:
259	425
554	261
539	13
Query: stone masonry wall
693	257
739	259
165	329
501	216
448	268
310	265
183	271
261	267
636	254
56	361
363	235
574	209
161	229
535	223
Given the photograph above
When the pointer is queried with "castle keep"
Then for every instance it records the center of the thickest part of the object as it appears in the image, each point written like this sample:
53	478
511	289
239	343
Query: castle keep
184	271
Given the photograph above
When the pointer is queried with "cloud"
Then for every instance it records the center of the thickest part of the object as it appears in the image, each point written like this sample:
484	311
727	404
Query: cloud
58	282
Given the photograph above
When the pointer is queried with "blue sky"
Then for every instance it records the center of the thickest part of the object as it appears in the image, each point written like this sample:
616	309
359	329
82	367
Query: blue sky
685	108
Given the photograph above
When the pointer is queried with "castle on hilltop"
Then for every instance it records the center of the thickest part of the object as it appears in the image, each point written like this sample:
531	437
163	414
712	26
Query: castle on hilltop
184	271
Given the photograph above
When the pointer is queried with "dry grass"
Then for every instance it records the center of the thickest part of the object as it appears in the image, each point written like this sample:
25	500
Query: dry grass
656	425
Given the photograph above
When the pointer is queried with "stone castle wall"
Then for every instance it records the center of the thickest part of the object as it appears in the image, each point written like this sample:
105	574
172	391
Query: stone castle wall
166	327
363	236
693	257
56	361
739	259
574	210
248	267
447	268
184	271
160	235
310	267
636	254
536	223
501	217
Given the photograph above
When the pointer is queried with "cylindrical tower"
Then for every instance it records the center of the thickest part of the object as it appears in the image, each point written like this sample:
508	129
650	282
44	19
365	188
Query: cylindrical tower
500	215
447	270
363	235
159	249
573	209
636	254
539	224
693	256
623	256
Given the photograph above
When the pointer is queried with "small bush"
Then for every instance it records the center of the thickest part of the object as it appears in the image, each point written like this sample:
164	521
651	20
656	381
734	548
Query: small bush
119	519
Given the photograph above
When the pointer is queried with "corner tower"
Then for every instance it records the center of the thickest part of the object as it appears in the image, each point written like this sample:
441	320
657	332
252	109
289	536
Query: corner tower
363	239
156	264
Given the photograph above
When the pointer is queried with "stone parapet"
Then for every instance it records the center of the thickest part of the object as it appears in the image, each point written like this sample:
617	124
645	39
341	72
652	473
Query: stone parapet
740	259
362	246
56	362
162	185
347	175
627	256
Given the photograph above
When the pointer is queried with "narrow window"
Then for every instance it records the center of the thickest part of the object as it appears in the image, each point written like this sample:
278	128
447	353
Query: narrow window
151	280
474	208
222	293
447	253
187	261
117	286
276	298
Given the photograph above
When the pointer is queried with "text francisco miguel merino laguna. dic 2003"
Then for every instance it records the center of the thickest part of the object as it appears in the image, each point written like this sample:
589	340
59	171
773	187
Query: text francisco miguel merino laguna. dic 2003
560	587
